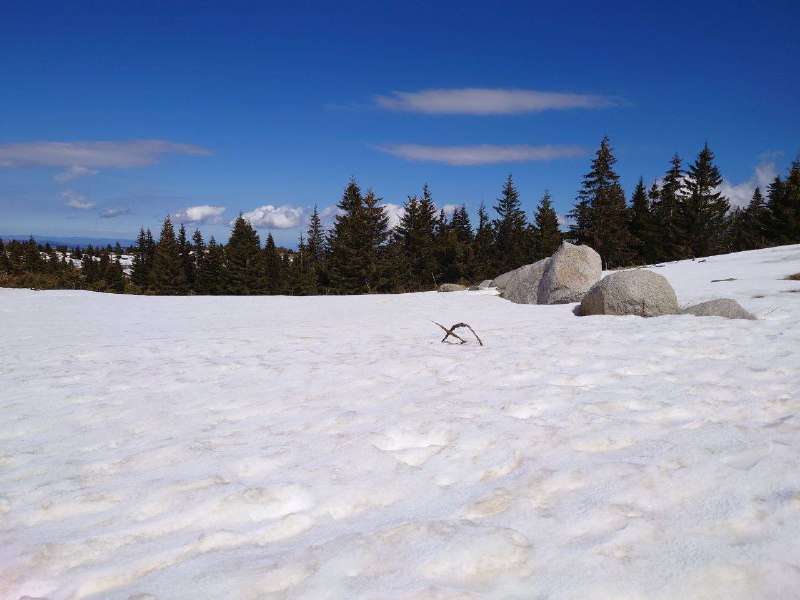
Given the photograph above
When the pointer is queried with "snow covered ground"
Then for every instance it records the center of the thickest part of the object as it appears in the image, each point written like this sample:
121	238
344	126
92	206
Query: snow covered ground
332	447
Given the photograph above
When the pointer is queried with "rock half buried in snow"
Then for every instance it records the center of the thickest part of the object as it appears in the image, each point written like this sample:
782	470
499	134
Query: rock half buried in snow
485	284
638	292
572	270
451	287
723	307
523	285
501	281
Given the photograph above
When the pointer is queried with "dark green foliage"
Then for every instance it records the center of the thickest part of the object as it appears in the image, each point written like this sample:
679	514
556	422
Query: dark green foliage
244	261
783	202
187	260
168	277
666	204
703	209
600	214
643	234
547	233
211	277
355	263
510	229
484	250
274	268
143	259
413	247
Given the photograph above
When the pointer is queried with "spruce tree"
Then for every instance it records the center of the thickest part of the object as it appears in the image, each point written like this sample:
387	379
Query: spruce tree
415	260
187	260
783	203
641	225
275	278
315	246
167	277
703	209
140	274
244	261
211	274
547	231
754	223
509	229
601	213
484	246
666	206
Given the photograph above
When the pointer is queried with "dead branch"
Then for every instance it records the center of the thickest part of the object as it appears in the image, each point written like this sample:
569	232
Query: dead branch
451	332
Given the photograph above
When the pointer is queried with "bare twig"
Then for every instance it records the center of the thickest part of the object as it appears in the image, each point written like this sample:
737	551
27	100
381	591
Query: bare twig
451	332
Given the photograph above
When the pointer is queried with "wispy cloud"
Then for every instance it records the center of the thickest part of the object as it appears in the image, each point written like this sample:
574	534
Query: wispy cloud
480	154
272	217
489	101
112	213
74	172
76	155
395	212
741	193
75	200
203	213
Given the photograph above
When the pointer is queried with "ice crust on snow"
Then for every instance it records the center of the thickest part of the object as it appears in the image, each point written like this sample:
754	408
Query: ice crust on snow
333	448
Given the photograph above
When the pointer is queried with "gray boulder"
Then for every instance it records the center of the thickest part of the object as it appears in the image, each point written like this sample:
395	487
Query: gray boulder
485	284
723	307
452	287
500	281
572	270
638	292
523	285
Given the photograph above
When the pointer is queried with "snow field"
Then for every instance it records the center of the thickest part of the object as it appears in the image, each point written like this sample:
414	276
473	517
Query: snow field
334	448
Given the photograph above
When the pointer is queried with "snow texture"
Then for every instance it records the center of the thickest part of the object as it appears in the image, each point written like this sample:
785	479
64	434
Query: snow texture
332	447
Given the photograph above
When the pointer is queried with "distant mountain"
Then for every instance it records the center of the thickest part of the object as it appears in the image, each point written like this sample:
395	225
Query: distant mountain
71	242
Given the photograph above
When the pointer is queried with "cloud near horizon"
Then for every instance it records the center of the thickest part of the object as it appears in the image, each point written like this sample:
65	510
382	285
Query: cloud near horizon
271	217
112	213
741	194
482	154
202	214
78	157
75	200
491	101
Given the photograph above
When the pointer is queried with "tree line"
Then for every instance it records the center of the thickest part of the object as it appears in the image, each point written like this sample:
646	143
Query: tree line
681	215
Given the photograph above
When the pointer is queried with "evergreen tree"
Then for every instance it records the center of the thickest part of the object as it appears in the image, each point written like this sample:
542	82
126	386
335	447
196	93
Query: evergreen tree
211	275
140	274
666	213
117	251
359	231
415	260
244	261
510	229
703	209
187	260
783	203
115	277
641	225
167	277
273	265
600	212
754	223
484	246
547	231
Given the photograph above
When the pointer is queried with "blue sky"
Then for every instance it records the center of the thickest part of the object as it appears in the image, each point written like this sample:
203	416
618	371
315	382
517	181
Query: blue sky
116	114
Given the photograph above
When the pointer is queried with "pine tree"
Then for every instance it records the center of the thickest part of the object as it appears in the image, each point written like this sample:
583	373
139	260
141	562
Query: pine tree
510	229
140	274
666	213
783	202
117	251
641	225
601	213
754	223
211	274
414	259
359	231
484	246
244	261
167	277
187	260
273	265
703	210
547	231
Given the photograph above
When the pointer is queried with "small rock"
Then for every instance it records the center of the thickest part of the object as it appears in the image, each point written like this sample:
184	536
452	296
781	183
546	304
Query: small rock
485	284
638	292
723	307
452	287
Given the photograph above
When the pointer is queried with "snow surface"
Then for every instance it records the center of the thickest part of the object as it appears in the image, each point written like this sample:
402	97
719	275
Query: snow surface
334	448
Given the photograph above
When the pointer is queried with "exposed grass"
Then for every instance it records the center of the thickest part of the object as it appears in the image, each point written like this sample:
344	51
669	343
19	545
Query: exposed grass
793	277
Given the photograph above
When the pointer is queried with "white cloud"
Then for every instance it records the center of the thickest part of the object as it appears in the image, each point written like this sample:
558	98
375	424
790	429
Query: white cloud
74	172
487	101
134	153
480	154
75	200
271	217
449	209
203	213
395	212
565	222
114	212
740	194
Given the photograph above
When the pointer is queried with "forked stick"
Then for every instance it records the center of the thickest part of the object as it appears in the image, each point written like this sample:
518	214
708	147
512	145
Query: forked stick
451	332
